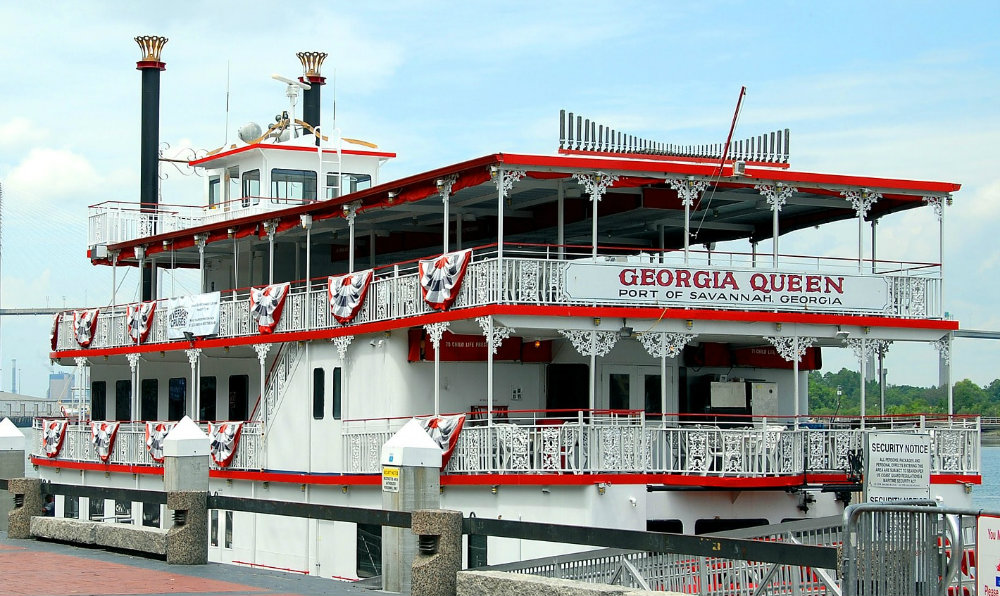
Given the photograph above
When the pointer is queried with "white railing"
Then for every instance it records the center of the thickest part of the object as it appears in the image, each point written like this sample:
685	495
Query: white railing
395	294
623	444
130	446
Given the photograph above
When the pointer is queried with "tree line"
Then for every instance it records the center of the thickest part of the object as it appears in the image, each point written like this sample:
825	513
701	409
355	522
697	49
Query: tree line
969	398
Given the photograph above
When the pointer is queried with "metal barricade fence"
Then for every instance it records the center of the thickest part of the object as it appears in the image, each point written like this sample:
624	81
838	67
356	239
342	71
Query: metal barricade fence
909	550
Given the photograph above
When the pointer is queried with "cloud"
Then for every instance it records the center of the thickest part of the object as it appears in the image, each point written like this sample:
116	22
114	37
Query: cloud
47	174
17	132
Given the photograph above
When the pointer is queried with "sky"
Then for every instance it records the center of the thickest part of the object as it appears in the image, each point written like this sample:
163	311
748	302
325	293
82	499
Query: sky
893	89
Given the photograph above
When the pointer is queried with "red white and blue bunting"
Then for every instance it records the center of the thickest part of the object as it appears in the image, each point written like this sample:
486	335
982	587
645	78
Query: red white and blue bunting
346	294
54	334
266	304
155	433
441	278
53	434
139	318
84	325
102	435
223	439
444	430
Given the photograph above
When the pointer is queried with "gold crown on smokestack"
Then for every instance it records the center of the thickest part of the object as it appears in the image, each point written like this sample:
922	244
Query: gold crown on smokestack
311	62
151	46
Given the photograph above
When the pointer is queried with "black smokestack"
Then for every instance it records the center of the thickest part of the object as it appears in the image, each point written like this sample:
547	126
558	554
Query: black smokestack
150	65
311	63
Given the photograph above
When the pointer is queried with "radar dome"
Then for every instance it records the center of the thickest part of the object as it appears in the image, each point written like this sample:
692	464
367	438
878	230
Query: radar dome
250	131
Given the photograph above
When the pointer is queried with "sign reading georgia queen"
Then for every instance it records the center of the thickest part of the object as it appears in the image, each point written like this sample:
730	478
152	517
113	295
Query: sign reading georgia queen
764	290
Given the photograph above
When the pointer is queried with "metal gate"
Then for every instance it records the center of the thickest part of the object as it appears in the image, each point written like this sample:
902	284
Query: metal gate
908	550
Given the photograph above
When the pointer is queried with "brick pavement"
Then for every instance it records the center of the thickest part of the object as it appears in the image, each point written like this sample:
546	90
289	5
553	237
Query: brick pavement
35	568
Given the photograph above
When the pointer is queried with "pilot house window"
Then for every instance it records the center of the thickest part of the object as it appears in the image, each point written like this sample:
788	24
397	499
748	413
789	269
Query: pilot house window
293	185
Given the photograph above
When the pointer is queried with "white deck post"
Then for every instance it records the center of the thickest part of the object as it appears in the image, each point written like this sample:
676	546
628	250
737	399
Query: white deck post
595	184
561	218
688	190
193	355
776	196
306	222
199	241
444	189
262	350
270	227
494	337
505	182
350	238
862	201
133	364
435	331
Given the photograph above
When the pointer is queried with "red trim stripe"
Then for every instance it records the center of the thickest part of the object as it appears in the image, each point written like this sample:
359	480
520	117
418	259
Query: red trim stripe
526	310
505	479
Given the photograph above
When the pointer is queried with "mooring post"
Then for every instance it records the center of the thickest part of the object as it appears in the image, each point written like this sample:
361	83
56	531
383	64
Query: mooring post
11	465
439	552
185	479
411	480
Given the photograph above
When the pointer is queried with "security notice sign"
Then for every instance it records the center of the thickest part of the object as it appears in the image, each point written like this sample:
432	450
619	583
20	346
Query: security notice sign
988	554
897	466
390	480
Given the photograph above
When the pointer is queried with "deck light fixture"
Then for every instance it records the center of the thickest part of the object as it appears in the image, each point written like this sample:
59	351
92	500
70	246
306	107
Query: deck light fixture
842	335
597	321
625	332
140	252
777	326
689	323
392	196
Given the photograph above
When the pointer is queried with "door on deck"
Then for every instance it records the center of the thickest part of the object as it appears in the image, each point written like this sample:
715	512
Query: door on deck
625	387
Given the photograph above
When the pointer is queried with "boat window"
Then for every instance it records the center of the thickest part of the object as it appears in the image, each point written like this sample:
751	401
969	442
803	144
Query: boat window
251	187
123	509
293	186
567	386
651	393
239	386
123	400
229	530
319	390
214	528
346	184
98	400
214	192
206	396
710	526
150	399
337	399
151	515
674	526
71	507
369	550
96	509
176	392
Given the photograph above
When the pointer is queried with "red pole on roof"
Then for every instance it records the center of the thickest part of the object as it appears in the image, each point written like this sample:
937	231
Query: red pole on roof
732	127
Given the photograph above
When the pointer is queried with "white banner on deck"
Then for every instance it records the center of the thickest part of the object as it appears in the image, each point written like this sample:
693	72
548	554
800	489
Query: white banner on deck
654	284
197	315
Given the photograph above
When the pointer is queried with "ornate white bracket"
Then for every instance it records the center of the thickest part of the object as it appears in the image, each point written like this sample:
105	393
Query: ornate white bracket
936	203
687	190
193	354
80	361
505	179
591	343
133	361
791	347
662	344
342	342
270	227
596	184
943	347
435	331
262	350
776	195
494	334
862	200
864	348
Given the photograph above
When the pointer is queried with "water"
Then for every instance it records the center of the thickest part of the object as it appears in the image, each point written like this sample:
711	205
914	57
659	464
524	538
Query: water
987	494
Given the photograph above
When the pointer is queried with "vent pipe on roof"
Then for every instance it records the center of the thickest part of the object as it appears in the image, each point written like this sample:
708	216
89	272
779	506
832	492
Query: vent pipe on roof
311	63
149	157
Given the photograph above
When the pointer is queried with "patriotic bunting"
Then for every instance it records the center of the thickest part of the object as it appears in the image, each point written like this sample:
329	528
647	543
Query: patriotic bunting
84	325
223	438
139	319
54	334
346	294
441	278
102	435
266	304
444	430
155	433
53	433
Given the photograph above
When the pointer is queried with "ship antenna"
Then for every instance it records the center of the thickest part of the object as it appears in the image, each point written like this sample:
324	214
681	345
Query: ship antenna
335	99
225	137
725	154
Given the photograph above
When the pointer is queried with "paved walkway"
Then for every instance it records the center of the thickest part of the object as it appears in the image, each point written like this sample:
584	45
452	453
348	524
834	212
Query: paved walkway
35	568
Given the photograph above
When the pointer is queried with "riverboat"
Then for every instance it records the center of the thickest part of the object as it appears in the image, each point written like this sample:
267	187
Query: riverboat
568	314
